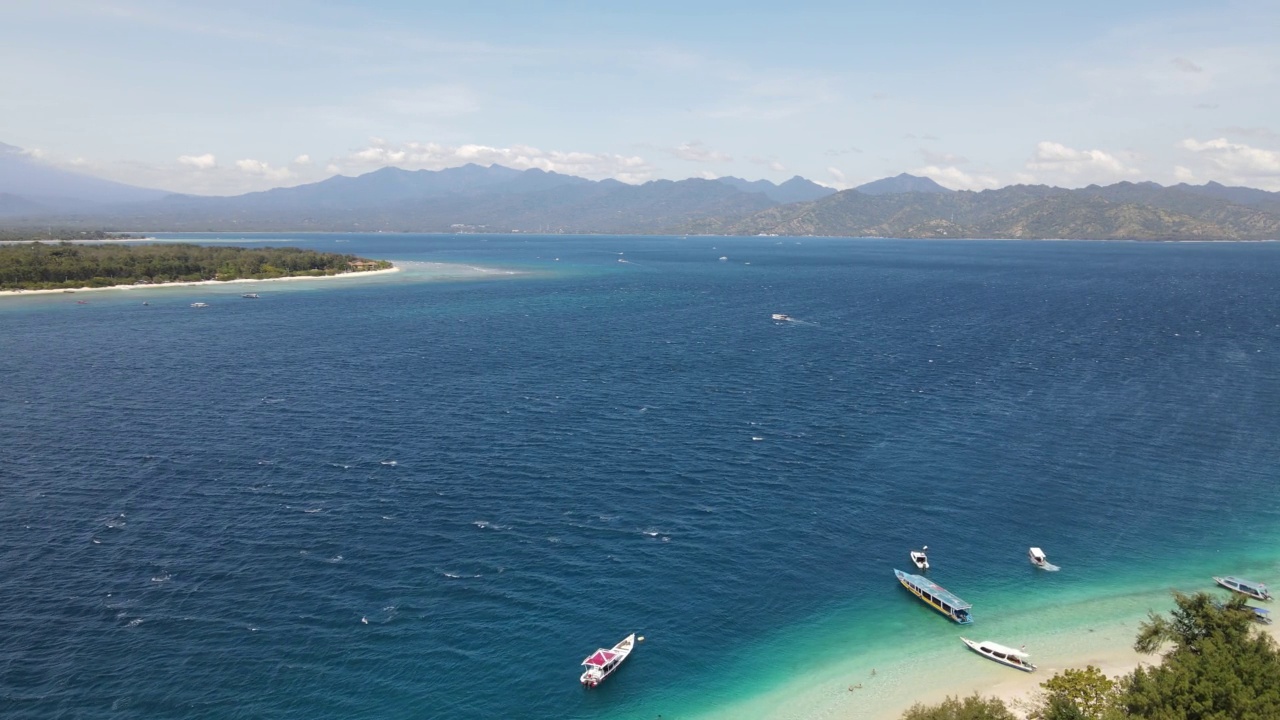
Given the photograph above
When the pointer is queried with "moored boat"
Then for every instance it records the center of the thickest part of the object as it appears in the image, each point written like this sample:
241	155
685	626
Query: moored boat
936	597
920	559
1255	590
996	652
601	663
1261	615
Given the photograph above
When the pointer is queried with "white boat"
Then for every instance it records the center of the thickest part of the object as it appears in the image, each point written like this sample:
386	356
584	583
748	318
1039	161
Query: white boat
1255	590
780	316
1004	655
250	296
920	558
1037	557
601	663
199	305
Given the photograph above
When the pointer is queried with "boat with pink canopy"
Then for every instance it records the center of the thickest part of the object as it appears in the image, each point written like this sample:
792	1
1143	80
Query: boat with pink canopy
601	663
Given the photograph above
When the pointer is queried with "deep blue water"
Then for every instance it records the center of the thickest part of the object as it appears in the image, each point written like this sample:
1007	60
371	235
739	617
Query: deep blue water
200	518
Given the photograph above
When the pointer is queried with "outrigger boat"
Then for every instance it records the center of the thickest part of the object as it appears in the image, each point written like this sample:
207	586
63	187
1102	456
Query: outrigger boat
920	559
1255	590
1001	654
601	663
936	597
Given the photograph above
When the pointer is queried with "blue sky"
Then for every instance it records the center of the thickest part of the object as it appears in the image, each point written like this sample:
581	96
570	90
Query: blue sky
237	96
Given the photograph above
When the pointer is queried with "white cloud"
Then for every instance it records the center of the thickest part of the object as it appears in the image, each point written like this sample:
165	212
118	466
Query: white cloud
199	162
1078	166
838	179
33	153
433	156
696	151
302	160
262	169
1237	163
1183	174
956	179
1186	65
942	158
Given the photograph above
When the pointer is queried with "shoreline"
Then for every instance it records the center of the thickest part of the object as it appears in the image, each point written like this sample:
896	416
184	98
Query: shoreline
195	283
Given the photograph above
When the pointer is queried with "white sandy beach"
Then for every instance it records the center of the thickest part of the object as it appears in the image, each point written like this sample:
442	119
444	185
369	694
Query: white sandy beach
117	288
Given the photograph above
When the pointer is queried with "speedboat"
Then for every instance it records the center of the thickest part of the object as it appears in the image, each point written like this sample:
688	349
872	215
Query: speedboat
920	559
1001	654
936	597
601	663
1255	590
199	305
1037	557
780	316
250	296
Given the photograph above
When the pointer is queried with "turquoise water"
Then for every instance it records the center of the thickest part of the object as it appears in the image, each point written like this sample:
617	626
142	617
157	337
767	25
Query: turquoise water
203	517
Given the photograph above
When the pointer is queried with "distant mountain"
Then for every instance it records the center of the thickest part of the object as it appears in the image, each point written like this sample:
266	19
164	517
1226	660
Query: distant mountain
903	183
1129	211
32	186
797	189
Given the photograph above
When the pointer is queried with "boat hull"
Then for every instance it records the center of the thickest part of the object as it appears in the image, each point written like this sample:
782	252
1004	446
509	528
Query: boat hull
958	615
597	673
1015	664
1257	591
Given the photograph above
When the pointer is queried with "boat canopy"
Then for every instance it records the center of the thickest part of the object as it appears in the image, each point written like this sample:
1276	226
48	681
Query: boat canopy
600	658
1260	612
997	647
1037	552
942	594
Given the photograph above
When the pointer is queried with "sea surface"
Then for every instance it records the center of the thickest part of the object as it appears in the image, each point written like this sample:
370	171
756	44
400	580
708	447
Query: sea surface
431	494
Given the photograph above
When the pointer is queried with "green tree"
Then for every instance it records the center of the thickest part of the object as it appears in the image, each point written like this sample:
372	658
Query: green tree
973	707
1075	694
1218	668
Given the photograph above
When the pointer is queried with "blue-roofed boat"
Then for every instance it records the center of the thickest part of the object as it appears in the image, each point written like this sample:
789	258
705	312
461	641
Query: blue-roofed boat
1262	615
1255	590
936	597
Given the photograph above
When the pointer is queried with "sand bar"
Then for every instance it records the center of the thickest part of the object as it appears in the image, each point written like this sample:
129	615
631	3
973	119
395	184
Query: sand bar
54	291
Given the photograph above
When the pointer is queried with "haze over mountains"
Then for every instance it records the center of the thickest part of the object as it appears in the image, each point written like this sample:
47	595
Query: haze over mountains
473	198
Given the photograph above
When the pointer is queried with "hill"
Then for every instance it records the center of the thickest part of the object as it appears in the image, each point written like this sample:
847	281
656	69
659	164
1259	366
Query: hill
28	187
902	183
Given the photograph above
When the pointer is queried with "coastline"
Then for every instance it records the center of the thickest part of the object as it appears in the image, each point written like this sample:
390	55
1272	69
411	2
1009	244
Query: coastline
55	291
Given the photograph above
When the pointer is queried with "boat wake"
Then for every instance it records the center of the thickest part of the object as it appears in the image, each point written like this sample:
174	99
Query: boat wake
1050	567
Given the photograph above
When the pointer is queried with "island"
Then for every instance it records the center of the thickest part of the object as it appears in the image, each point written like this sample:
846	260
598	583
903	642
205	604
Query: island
65	265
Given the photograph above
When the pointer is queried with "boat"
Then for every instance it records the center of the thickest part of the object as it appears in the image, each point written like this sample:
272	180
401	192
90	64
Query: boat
1004	655
936	597
601	663
250	296
199	305
780	316
1037	557
1261	615
920	559
1255	590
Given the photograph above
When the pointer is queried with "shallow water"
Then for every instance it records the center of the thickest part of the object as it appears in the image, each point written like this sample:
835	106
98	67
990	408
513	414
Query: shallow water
436	492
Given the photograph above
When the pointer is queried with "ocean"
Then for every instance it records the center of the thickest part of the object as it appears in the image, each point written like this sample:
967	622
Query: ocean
433	493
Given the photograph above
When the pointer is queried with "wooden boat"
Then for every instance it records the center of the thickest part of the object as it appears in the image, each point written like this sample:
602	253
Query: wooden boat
920	559
601	663
1004	655
1255	590
936	597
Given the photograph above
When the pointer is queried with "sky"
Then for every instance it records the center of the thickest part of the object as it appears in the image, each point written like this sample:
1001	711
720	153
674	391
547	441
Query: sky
232	97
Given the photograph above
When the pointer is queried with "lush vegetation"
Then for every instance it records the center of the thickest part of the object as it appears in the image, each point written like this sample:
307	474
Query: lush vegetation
34	266
1217	666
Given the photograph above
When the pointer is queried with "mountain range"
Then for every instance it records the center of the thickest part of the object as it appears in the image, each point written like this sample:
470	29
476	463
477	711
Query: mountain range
474	198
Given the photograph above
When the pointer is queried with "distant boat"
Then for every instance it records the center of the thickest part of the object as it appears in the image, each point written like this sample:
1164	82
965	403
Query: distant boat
601	663
1004	655
936	597
920	559
251	296
780	316
1037	557
1255	590
82	302
724	257
199	305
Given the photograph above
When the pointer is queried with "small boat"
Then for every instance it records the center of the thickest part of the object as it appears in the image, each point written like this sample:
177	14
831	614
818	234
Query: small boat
82	302
780	316
1037	557
1261	615
250	296
936	597
601	663
199	305
1255	590
1001	654
920	559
